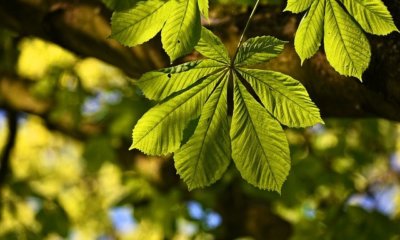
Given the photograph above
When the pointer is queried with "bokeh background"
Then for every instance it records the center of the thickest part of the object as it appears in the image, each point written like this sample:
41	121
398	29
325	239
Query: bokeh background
66	172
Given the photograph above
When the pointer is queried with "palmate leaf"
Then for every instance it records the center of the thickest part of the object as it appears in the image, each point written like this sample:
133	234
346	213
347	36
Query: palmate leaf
346	46
259	146
254	139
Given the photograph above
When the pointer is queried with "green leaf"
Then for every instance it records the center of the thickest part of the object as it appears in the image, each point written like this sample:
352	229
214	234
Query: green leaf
347	49
258	50
309	34
157	85
259	146
203	6
211	46
372	15
182	29
160	129
206	156
297	6
141	23
284	97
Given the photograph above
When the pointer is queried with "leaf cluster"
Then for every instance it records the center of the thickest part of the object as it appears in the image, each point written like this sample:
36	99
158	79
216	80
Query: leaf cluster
341	25
202	90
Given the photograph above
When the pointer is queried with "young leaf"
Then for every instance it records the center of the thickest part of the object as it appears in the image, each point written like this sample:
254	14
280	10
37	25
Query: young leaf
182	29
372	15
211	46
297	6
206	156
160	129
309	34
258	50
284	97
157	85
347	49
141	23
259	146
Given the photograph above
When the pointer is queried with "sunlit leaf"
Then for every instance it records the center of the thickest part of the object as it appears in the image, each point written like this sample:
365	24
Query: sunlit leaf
347	49
182	29
206	156
310	32
284	97
211	46
258	50
141	23
160	130
372	15
259	146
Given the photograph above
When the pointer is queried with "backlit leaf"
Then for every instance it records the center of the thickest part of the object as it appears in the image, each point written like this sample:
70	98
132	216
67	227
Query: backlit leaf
160	129
372	15
259	146
182	29
259	50
309	34
284	97
207	154
141	23
347	49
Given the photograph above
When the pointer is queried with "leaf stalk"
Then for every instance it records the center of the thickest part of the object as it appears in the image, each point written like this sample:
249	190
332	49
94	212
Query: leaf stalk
244	31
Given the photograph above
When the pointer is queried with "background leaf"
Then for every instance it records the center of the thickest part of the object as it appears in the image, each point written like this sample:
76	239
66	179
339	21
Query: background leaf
310	31
347	49
141	23
182	30
372	15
